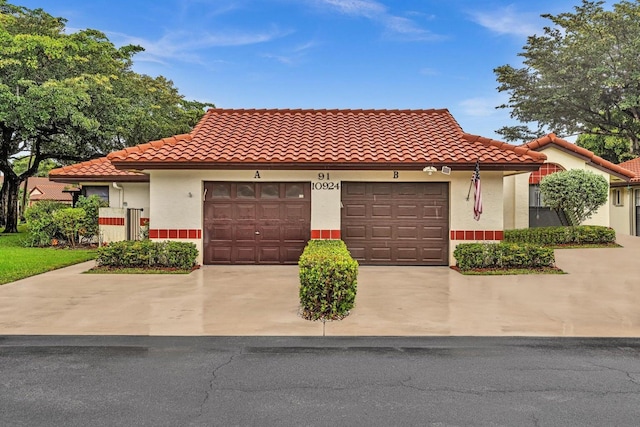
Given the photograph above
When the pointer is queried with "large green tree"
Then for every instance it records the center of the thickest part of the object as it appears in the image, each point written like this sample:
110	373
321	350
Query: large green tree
609	147
582	75
72	97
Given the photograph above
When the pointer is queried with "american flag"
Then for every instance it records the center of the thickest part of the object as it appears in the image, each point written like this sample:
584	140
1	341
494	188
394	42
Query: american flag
477	193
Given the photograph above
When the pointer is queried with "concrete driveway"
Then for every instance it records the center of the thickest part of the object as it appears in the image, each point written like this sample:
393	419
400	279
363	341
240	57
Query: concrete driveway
599	297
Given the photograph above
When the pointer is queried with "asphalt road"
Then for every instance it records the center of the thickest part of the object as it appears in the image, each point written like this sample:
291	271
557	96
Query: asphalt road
264	381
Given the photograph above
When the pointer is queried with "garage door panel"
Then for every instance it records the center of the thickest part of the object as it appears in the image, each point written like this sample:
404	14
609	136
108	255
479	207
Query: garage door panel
435	212
270	255
295	212
356	189
408	189
407	254
245	211
438	233
355	232
381	189
437	191
245	254
270	233
220	253
253	223
381	211
396	223
381	232
407	232
405	211
381	254
222	211
269	211
295	233
356	210
244	233
357	253
222	232
432	254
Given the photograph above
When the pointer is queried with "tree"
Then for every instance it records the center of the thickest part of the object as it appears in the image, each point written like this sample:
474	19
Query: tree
577	192
581	76
612	148
22	164
73	97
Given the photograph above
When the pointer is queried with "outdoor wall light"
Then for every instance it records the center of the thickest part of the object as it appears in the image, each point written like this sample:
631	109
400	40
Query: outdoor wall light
429	169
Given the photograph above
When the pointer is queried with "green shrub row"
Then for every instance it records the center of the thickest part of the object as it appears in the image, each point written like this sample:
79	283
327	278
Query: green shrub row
49	221
146	253
583	234
328	280
502	255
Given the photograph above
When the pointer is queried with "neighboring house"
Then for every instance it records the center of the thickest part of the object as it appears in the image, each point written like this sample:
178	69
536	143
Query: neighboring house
253	186
524	206
126	217
41	188
625	201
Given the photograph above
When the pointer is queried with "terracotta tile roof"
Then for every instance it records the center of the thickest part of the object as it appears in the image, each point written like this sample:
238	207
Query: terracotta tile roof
632	165
340	138
552	139
48	190
95	170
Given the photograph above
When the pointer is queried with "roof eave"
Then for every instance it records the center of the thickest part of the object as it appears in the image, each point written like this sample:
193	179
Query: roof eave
72	179
148	165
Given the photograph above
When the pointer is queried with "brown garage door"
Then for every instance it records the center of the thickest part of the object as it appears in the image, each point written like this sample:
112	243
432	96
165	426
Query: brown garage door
396	223
256	223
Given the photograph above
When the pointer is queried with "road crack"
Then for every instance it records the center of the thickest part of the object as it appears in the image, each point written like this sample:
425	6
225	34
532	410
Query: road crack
214	376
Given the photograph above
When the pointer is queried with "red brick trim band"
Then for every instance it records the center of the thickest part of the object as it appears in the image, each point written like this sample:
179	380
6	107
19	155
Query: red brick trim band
175	234
144	222
325	234
111	221
477	235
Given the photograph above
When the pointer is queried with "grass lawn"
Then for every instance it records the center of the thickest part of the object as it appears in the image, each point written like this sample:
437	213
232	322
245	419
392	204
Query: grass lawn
18	262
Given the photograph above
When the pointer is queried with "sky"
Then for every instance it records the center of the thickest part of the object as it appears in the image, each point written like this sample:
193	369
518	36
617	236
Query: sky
383	54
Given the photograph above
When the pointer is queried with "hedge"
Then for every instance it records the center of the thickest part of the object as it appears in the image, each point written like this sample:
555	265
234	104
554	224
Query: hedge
146	253
582	234
502	255
328	280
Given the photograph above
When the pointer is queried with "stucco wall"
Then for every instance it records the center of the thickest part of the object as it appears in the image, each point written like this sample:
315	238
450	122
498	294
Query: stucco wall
176	196
516	201
622	216
112	224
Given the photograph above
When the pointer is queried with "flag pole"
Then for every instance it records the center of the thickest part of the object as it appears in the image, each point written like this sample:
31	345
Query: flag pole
471	182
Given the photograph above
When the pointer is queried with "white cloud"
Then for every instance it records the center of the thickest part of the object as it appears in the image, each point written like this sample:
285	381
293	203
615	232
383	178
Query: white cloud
366	8
186	45
293	55
508	21
395	26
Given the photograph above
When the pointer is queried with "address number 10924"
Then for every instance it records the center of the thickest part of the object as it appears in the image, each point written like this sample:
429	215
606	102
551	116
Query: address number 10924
325	184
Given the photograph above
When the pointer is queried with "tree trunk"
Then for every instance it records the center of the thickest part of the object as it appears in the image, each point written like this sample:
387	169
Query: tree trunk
635	145
12	185
3	204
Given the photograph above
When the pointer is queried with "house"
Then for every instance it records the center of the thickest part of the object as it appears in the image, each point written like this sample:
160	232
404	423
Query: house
625	201
253	186
41	188
524	207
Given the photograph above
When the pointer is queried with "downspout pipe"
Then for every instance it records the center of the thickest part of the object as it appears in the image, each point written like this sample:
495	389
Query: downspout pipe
121	190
